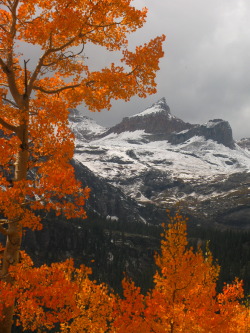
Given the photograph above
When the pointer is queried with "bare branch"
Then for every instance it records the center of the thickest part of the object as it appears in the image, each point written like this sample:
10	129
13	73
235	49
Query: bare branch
56	91
72	54
25	76
43	57
90	83
51	49
11	78
3	28
14	18
3	65
64	56
8	66
133	70
105	25
11	102
8	5
8	126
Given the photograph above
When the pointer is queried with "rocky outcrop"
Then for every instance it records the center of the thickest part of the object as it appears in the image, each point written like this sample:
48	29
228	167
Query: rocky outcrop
158	122
84	128
217	130
244	143
223	203
155	120
108	201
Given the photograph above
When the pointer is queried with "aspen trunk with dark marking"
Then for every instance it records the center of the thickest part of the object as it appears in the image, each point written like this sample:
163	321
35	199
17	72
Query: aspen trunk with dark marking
14	231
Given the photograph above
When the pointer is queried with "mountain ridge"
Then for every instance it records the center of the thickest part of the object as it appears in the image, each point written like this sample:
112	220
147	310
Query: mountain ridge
201	166
158	121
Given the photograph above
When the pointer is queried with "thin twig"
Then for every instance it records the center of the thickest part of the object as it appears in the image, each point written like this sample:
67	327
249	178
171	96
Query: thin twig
11	102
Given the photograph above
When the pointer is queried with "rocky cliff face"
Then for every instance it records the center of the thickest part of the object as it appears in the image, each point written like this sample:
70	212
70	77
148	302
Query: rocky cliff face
84	128
111	203
155	120
217	130
244	143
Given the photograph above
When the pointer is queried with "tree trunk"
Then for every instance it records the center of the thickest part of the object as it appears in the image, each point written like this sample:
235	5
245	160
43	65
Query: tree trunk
14	232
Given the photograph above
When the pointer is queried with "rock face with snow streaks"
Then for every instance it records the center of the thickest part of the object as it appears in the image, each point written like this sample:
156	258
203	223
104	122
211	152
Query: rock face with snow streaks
244	143
157	161
156	120
217	130
84	128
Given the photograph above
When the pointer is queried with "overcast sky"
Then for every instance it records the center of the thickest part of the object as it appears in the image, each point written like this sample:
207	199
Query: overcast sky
205	73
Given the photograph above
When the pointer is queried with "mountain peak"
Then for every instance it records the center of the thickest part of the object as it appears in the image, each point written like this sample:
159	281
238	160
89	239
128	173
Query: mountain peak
162	103
159	107
156	120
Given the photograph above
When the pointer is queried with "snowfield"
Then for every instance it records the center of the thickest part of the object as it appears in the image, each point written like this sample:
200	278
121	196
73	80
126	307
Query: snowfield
122	159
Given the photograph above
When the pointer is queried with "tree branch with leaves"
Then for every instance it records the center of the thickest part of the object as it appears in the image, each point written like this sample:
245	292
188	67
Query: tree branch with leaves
35	98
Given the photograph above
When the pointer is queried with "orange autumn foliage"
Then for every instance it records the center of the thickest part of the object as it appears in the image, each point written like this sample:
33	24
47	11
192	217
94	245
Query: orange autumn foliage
44	71
36	147
47	296
34	100
184	298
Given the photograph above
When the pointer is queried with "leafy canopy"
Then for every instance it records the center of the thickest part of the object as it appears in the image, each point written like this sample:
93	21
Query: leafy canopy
36	93
183	299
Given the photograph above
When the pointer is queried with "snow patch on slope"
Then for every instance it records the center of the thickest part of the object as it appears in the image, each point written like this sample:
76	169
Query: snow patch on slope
128	160
124	162
150	111
84	127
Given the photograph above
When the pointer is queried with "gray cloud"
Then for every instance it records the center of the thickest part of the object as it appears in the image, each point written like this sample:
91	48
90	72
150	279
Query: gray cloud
205	73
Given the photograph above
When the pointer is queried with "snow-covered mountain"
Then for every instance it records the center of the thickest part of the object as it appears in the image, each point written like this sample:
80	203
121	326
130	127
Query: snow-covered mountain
244	143
158	161
157	120
83	127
